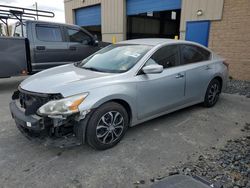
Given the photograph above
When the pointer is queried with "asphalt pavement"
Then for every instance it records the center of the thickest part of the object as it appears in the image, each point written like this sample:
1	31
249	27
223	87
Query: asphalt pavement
147	150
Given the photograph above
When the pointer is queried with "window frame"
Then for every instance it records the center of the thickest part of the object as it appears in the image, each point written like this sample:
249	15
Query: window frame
197	47
49	26
165	46
139	72
77	29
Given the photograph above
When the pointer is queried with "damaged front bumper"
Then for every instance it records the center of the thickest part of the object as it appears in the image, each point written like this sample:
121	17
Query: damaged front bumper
58	132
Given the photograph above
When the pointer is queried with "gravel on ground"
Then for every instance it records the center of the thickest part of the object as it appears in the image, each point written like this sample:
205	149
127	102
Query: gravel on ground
228	167
238	87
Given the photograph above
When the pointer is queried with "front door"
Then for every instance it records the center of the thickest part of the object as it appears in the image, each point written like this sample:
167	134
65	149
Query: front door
160	92
80	44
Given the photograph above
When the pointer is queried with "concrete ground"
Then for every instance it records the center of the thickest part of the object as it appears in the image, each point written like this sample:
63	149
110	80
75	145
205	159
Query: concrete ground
146	151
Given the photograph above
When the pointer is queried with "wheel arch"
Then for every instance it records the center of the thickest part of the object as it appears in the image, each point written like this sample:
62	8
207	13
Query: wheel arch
123	101
126	105
219	78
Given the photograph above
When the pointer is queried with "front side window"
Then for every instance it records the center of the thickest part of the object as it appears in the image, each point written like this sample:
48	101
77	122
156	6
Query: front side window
194	54
48	33
116	58
167	56
78	36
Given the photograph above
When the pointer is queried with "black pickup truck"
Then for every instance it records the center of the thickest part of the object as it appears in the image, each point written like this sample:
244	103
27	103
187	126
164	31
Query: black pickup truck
38	45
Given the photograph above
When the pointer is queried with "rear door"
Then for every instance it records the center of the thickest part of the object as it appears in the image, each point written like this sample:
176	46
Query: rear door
199	69
80	43
50	46
158	93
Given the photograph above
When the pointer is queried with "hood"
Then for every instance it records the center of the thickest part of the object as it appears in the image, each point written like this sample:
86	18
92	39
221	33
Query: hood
67	80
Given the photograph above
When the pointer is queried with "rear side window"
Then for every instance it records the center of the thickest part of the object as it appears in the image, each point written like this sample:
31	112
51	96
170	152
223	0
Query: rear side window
167	56
48	33
194	54
18	30
78	36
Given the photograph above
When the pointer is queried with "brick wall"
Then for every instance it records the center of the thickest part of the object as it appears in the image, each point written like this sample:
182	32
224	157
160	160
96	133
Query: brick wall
230	37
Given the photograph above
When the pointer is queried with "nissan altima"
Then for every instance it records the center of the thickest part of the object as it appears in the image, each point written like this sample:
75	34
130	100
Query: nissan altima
96	100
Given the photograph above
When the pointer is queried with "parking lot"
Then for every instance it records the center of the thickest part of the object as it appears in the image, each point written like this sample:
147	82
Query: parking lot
147	151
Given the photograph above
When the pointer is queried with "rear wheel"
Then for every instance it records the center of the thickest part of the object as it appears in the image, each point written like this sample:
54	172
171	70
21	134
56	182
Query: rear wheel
107	126
212	93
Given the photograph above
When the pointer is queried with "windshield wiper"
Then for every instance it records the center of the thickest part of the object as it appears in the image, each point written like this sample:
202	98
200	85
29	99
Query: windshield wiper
92	69
77	63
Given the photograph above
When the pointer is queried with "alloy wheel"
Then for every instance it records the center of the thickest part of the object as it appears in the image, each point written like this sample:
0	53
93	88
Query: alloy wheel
213	93
110	127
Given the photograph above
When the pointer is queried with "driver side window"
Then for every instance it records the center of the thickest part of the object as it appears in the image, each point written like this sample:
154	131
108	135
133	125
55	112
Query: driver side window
168	56
78	36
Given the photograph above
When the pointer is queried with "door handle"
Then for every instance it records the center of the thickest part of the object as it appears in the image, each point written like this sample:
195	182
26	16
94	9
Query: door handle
40	47
208	68
179	75
72	48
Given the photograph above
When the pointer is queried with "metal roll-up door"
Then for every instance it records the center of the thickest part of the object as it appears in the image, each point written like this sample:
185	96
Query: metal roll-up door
88	16
142	6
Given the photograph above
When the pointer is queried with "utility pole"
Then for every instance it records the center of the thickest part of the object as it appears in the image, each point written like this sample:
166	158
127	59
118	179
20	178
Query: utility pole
35	5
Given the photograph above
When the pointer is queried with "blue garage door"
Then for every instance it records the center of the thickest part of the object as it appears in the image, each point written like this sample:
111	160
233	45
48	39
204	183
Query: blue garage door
89	16
198	31
142	6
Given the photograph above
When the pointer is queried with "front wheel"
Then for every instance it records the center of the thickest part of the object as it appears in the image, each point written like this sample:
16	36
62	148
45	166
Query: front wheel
212	93
107	126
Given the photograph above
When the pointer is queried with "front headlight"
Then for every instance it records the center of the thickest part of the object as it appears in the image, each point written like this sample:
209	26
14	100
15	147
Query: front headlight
64	106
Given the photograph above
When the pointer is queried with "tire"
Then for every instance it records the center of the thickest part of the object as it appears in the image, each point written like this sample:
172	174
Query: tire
107	126
212	93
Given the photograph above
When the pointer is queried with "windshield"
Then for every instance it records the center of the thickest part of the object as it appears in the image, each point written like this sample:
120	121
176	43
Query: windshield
116	58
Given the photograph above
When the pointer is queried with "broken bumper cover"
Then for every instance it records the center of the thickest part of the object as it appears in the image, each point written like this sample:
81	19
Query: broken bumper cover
34	128
28	122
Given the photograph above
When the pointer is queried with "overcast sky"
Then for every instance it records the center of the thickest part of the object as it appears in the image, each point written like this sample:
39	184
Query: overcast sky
57	6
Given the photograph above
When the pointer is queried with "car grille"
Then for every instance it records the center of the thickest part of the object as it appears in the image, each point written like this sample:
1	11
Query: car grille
31	102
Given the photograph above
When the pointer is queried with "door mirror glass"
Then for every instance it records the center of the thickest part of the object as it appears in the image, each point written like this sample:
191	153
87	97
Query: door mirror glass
152	69
95	40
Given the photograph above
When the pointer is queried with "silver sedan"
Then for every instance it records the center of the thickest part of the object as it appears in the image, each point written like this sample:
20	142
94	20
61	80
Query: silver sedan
120	86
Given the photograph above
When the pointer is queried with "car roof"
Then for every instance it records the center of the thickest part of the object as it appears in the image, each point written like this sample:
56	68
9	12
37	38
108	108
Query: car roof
155	41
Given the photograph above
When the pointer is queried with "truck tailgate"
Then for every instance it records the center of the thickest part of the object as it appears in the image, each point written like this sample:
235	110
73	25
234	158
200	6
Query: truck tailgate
13	56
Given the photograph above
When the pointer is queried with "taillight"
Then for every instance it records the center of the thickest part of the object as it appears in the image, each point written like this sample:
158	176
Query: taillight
226	64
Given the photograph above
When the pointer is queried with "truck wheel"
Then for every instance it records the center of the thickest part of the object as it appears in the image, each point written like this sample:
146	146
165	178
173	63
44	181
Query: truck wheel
212	93
107	126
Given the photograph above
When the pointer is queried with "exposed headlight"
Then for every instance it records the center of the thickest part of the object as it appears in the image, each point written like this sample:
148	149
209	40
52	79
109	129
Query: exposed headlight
64	106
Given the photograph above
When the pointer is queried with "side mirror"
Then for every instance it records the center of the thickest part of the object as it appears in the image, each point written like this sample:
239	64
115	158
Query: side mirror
95	39
152	69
